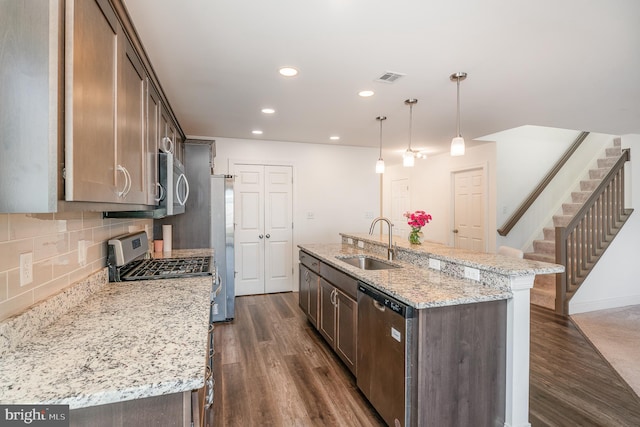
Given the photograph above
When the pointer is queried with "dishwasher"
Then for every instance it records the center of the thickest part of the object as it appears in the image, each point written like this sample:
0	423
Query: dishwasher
384	341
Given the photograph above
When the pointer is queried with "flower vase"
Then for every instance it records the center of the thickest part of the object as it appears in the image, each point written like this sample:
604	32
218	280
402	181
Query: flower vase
415	237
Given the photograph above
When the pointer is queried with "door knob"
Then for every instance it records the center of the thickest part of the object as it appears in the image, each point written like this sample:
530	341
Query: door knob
260	236
268	235
455	230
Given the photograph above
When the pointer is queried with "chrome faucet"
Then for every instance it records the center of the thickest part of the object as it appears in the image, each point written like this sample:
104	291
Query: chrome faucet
391	252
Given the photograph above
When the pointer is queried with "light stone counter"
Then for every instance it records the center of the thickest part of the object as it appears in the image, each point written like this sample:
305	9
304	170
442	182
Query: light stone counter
416	286
489	262
124	341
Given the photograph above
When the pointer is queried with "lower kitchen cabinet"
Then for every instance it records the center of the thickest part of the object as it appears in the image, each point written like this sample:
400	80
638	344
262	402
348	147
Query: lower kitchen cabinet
329	299
170	410
339	322
309	282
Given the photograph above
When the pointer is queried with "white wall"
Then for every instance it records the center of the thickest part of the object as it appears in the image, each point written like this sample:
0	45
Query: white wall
430	190
335	188
614	280
524	156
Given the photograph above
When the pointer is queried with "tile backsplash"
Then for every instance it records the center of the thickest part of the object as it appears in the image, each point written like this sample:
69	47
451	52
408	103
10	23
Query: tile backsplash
54	240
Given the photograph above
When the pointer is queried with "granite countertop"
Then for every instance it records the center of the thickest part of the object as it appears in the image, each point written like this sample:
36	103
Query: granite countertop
486	261
416	286
128	340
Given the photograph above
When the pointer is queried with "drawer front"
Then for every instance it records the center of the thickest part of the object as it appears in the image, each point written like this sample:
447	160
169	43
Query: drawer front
310	262
340	280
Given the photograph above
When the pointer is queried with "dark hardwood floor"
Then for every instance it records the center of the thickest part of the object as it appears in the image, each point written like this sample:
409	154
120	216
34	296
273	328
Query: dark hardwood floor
273	369
571	384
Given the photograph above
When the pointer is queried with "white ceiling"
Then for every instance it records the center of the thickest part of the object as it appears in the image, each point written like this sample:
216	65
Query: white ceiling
572	64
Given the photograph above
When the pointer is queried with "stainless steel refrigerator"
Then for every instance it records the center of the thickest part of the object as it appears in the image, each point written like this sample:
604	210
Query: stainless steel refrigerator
207	221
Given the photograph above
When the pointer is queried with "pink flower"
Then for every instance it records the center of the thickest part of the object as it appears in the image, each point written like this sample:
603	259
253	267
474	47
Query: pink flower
417	219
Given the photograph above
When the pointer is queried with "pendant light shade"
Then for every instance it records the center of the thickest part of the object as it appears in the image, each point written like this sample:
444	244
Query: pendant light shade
409	156
457	143
380	162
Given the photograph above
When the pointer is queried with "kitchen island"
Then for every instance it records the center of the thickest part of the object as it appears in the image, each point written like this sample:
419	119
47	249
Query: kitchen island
99	343
467	347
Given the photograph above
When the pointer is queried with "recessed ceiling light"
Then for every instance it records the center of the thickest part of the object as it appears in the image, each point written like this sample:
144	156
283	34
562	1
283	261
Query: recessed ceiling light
334	138
288	71
268	110
256	132
366	93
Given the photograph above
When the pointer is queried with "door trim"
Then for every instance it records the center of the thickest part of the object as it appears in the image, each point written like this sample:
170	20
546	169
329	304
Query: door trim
481	166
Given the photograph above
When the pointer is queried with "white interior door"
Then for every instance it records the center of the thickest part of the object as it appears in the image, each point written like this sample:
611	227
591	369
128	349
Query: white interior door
400	203
249	232
278	242
264	235
469	210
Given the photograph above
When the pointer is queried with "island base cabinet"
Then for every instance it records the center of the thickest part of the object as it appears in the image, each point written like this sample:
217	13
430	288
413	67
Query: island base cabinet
170	410
308	298
338	322
461	365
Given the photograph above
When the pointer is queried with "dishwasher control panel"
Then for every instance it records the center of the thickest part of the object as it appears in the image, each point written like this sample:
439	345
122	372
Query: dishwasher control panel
394	305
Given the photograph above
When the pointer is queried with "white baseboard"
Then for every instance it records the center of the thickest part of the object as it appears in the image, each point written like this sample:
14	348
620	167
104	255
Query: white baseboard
603	304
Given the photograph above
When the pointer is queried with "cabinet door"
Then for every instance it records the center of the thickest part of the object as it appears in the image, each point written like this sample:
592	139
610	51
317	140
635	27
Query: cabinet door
91	47
314	289
346	329
303	301
153	140
131	144
327	321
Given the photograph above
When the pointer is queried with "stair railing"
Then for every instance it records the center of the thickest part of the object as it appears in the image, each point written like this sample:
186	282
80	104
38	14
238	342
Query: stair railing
526	204
581	243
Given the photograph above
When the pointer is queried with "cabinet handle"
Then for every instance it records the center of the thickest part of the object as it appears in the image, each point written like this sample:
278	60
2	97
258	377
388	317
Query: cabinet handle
183	178
260	236
168	144
306	275
127	182
268	236
334	294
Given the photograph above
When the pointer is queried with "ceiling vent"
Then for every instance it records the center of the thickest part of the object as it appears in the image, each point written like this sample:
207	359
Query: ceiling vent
389	77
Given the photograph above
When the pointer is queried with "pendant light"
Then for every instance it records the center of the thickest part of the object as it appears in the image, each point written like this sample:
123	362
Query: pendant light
409	156
380	162
457	143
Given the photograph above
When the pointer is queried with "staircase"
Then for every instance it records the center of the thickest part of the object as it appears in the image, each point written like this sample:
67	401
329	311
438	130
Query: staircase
546	286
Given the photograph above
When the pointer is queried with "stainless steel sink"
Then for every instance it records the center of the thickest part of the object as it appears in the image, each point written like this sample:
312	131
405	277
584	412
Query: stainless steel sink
368	263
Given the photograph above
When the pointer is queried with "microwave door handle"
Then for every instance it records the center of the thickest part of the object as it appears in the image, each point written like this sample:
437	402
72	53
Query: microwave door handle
186	186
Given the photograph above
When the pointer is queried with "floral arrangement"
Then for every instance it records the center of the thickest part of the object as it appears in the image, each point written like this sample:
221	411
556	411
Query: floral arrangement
416	221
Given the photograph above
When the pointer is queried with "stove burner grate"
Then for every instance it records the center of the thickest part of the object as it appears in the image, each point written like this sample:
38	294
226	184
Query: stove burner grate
165	268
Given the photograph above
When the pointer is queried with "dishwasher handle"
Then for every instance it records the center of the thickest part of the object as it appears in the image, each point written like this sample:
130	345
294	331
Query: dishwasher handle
386	301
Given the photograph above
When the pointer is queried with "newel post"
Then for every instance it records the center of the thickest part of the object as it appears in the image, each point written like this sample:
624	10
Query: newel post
518	340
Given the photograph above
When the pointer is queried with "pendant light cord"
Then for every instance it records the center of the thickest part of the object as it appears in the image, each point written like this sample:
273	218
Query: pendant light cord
381	119
410	124
458	108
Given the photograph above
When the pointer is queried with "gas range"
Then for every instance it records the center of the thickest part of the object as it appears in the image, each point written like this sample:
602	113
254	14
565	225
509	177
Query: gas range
127	261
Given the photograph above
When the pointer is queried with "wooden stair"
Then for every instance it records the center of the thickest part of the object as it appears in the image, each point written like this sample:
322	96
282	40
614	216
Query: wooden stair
544	288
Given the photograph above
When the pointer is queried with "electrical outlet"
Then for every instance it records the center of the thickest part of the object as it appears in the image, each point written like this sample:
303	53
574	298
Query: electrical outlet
311	215
472	273
82	251
349	241
434	263
26	268
368	215
360	244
